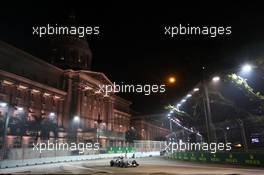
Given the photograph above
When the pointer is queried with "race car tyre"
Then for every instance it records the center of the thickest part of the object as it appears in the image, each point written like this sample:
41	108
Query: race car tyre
112	163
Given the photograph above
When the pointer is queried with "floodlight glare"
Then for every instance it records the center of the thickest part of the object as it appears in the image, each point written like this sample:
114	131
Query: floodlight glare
216	79
3	104
20	109
196	89
246	68
189	95
76	118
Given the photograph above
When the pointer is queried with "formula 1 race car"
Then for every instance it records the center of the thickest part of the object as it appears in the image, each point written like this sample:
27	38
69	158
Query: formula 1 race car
123	162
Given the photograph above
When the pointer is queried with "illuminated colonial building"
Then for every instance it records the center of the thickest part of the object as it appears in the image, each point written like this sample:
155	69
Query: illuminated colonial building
151	127
56	92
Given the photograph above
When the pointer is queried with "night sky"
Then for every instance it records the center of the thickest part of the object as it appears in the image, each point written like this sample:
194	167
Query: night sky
132	47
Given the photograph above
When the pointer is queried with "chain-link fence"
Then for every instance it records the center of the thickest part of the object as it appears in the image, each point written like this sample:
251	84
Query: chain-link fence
149	145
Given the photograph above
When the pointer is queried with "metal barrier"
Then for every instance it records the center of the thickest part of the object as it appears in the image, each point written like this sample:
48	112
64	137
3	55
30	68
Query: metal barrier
235	158
149	145
47	160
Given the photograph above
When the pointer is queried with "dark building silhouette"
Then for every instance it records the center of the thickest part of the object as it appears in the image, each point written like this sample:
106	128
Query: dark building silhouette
69	51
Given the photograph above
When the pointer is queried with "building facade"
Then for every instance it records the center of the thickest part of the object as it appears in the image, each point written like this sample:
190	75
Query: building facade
151	127
44	94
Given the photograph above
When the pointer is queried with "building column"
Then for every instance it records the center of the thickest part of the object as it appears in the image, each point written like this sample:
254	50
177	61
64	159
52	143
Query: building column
67	104
78	101
110	115
92	112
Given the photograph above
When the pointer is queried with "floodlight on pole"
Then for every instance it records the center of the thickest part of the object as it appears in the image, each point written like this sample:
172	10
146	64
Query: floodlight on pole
216	79
3	104
76	118
196	89
246	68
189	95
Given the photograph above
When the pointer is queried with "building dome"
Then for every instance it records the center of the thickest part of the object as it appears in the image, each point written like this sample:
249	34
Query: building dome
69	51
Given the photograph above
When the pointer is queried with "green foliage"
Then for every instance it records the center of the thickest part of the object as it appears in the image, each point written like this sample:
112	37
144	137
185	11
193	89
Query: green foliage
242	84
177	111
169	107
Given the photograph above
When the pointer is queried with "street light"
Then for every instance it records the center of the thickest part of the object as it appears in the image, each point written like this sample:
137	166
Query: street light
172	80
76	118
196	89
3	104
216	79
189	95
183	100
246	68
52	114
20	109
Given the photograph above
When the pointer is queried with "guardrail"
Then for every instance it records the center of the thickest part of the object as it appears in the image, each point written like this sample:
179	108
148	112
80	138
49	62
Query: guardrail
48	160
235	158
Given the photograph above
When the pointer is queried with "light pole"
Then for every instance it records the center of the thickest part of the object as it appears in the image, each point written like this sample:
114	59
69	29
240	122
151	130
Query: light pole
225	133
170	126
243	133
207	107
170	122
207	112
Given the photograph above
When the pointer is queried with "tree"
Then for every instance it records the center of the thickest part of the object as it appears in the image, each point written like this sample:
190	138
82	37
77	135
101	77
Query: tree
131	135
42	126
